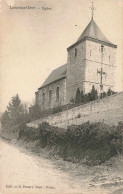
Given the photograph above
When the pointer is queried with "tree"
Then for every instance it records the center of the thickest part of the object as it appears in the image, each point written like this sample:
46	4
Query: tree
5	120
15	114
83	97
93	95
78	96
34	112
25	110
104	94
16	110
109	93
89	98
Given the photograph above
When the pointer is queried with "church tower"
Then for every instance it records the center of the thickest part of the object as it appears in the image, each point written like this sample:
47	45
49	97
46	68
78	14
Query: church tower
91	61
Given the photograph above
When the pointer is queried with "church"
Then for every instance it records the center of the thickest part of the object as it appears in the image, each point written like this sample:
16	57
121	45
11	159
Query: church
90	61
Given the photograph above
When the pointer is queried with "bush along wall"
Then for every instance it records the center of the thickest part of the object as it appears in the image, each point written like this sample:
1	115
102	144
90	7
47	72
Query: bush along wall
80	97
91	143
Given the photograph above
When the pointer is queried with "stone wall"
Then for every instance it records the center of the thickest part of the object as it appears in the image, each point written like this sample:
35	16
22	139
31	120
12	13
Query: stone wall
93	64
75	70
84	61
109	110
51	101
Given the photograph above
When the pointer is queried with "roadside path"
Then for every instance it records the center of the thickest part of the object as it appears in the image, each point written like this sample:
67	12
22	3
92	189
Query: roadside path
23	173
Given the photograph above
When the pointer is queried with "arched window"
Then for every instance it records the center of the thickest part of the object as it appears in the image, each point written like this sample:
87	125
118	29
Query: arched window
50	96
102	48
43	99
57	94
75	52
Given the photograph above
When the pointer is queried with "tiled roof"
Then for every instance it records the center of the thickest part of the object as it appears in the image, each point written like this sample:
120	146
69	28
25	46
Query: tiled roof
55	75
93	31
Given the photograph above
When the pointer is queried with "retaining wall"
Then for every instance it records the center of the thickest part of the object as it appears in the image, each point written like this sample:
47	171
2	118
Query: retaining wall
109	110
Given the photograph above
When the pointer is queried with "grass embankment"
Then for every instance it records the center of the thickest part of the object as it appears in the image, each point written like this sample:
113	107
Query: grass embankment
90	143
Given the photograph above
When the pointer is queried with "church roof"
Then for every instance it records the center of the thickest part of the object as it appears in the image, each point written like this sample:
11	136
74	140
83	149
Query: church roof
93	31
55	75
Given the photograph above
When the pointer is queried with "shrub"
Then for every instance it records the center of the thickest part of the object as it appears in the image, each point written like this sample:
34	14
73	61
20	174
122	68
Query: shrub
79	115
78	96
95	142
81	97
93	94
110	92
57	109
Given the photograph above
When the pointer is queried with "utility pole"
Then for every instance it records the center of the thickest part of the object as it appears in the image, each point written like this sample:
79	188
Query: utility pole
101	72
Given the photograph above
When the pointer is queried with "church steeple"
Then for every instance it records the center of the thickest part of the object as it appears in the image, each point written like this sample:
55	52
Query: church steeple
93	31
92	10
91	61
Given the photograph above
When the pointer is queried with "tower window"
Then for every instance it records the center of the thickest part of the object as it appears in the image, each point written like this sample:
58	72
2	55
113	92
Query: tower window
43	99
75	52
50	96
57	94
102	48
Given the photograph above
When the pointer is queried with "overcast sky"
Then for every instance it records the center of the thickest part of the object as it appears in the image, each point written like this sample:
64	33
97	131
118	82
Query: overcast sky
34	42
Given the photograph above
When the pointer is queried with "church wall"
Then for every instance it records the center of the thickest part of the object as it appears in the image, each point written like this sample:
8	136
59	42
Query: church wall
109	110
93	64
88	87
82	69
75	70
50	102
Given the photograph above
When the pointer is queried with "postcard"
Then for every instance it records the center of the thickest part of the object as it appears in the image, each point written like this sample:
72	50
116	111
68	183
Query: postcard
61	104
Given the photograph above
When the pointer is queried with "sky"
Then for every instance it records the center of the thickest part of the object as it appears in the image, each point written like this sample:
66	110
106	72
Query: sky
33	42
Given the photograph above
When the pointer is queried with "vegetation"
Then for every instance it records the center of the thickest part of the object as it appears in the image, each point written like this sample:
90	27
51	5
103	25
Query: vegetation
110	92
91	143
15	114
81	97
93	95
57	109
35	112
78	96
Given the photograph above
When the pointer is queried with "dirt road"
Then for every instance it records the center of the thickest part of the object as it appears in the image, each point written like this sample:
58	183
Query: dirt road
25	173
